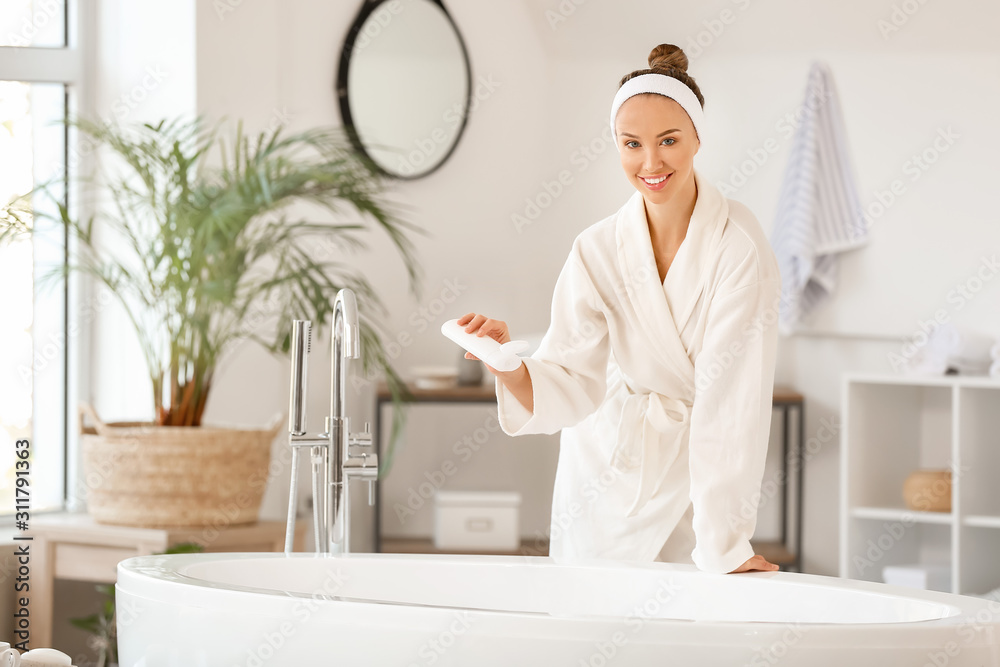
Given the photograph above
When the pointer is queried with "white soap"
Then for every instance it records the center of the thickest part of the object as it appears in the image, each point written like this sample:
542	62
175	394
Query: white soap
501	357
45	657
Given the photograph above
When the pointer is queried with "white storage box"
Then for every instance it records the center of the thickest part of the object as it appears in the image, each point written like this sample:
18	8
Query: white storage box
928	577
477	520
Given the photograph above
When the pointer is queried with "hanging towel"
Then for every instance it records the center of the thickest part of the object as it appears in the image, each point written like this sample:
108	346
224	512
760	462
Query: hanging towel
819	212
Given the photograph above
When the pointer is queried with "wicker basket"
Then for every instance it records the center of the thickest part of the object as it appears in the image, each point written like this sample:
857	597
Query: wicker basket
139	474
928	491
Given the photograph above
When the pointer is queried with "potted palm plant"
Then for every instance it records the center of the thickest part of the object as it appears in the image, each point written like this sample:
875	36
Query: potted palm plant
198	240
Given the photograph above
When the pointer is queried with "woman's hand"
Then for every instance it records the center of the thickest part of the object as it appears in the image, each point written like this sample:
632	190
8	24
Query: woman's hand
484	326
757	563
518	381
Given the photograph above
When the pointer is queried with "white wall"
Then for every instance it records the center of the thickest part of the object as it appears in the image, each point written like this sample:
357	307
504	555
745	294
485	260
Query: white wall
551	88
145	71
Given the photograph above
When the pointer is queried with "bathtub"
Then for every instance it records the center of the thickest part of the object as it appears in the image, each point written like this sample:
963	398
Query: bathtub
389	610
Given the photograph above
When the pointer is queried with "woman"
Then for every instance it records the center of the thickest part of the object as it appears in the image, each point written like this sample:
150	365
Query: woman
658	364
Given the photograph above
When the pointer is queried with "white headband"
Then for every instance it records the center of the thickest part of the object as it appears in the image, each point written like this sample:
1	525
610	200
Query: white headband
661	84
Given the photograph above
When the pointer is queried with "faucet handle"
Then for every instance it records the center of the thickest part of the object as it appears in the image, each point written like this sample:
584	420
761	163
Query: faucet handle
363	439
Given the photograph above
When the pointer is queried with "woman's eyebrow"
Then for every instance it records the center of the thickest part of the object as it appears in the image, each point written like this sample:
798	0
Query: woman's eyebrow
626	134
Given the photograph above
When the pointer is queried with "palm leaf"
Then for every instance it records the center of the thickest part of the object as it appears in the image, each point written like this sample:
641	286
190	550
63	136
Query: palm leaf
215	238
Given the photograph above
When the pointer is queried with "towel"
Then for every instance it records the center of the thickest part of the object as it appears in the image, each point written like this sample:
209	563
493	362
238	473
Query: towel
819	211
947	347
992	595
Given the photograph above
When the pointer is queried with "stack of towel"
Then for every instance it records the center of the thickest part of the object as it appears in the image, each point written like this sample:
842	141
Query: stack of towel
963	352
992	595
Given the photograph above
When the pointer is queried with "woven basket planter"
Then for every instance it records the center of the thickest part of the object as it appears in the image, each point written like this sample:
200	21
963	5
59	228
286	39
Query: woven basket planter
152	476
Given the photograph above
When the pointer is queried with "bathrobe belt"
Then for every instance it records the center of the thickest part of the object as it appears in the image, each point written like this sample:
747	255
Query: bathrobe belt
650	432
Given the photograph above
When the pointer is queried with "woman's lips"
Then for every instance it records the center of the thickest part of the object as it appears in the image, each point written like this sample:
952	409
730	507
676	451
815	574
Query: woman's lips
657	186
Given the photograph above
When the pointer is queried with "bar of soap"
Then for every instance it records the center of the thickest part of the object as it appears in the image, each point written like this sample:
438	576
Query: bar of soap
45	657
501	357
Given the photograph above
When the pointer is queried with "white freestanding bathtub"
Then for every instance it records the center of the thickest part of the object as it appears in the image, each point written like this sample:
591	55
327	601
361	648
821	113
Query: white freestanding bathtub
389	610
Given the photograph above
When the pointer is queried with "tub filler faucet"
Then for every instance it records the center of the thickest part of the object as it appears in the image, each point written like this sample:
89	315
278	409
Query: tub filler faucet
334	462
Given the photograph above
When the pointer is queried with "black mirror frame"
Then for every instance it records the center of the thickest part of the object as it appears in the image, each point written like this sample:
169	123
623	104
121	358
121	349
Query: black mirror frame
367	9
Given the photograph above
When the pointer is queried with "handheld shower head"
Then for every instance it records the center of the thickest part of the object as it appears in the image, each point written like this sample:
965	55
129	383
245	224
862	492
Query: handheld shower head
301	346
347	306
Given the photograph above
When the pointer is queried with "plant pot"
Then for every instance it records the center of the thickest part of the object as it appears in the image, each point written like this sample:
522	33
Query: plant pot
139	474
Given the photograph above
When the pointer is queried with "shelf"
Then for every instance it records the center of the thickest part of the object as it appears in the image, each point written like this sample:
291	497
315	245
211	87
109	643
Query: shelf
896	514
984	381
486	392
425	545
894	425
477	393
774	552
900	514
978	425
783	395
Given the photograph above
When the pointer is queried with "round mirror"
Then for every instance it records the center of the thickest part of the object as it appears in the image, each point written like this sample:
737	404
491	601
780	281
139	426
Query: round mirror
404	85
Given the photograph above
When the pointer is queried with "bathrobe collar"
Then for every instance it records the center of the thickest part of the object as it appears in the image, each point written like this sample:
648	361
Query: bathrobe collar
655	419
686	278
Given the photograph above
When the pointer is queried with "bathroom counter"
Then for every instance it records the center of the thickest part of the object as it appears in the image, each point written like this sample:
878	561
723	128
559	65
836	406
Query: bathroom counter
71	545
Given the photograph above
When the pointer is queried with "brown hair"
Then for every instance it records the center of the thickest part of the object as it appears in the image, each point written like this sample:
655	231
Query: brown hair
669	60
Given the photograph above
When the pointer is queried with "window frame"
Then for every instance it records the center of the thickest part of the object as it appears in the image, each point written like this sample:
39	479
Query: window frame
73	65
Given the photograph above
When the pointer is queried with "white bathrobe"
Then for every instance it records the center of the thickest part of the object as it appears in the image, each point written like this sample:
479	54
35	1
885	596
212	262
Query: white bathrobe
662	391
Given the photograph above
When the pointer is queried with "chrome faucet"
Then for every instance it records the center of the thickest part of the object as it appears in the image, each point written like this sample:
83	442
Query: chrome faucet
334	465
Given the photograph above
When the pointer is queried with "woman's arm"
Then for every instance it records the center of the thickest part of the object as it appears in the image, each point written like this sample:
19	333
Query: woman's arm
730	423
565	380
518	382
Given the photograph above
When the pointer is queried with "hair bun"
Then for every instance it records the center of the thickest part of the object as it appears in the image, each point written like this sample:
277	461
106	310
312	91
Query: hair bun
668	56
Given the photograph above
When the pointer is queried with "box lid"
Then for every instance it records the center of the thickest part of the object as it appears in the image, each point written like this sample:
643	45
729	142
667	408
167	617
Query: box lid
477	499
917	568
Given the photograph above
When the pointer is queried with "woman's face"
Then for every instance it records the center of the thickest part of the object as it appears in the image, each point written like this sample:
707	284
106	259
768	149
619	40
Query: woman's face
657	140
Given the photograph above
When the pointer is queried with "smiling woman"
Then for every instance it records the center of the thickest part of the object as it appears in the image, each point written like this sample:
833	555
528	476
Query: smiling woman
660	162
618	369
660	166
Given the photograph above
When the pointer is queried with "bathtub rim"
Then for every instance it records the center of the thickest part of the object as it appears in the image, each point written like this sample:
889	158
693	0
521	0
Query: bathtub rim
141	571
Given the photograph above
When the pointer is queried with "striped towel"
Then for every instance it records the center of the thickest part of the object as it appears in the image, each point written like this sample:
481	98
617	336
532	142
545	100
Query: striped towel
819	212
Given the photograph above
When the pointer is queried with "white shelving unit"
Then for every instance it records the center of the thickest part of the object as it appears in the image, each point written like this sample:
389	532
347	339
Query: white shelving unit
894	425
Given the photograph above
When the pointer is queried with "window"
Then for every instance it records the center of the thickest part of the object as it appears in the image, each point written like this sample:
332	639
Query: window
41	80
33	23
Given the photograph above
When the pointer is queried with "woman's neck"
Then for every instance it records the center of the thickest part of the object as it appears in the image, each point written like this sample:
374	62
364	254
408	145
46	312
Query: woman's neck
668	222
